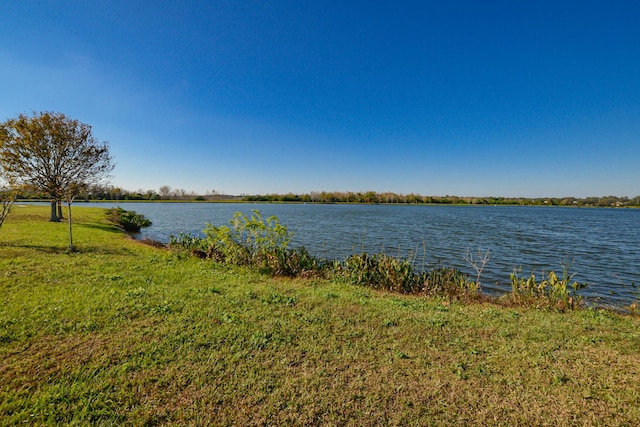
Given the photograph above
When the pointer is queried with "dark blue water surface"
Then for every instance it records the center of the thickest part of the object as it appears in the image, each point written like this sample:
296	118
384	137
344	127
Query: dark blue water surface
601	245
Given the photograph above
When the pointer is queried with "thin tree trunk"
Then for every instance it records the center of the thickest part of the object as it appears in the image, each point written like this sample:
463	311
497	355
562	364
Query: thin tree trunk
5	205
71	248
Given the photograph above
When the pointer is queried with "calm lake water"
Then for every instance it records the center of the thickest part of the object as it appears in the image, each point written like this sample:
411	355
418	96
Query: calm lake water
601	245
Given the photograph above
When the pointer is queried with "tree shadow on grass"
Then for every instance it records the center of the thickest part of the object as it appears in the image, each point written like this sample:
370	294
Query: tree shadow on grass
79	246
51	249
99	226
60	249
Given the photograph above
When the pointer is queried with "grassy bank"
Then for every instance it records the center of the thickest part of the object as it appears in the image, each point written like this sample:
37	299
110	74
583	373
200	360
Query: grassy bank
123	333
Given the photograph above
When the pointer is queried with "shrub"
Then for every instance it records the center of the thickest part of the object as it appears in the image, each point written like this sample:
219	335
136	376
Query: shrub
248	240
127	220
251	241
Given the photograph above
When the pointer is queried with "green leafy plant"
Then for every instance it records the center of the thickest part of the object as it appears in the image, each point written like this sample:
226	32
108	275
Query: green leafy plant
187	242
248	240
294	262
380	272
252	241
551	292
130	221
397	275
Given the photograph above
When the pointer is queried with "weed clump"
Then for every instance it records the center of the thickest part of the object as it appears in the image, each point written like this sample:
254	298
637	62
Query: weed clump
551	292
388	273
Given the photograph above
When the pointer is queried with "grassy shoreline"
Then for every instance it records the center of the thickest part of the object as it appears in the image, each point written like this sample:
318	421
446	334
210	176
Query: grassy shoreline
123	333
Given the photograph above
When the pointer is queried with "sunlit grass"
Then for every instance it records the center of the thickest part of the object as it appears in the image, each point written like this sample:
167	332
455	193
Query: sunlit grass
122	333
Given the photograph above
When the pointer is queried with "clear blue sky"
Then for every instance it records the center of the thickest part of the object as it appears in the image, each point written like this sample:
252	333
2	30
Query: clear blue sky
472	98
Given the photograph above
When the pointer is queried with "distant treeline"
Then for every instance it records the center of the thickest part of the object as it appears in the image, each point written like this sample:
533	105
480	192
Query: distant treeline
369	197
110	192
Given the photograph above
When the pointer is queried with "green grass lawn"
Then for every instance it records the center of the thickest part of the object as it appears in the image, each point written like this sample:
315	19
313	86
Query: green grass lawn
120	333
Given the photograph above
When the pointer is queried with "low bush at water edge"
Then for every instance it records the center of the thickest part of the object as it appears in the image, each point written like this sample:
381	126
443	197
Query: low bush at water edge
127	220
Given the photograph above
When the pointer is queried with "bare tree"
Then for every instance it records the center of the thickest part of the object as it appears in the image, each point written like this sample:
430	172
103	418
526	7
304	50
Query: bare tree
477	262
54	155
165	191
